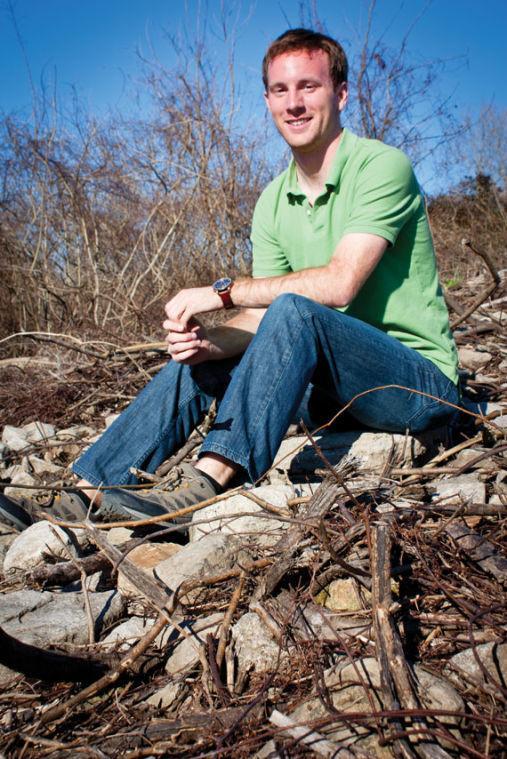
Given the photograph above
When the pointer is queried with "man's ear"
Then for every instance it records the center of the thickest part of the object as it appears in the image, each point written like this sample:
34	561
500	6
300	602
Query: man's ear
342	95
266	100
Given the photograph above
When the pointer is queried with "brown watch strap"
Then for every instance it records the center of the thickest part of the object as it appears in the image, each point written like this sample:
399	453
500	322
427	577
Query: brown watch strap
226	298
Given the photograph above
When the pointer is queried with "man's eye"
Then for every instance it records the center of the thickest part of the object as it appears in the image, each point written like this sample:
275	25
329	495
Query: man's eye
309	87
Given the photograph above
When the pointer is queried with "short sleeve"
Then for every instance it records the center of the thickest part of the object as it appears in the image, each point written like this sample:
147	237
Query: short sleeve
386	195
268	257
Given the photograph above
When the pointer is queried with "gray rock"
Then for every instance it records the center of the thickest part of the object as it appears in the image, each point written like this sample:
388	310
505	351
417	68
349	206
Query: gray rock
464	669
129	632
78	432
37	431
209	555
473	359
348	694
466	487
262	528
186	654
371	451
29	489
166	696
42	468
118	535
45	619
254	645
14	438
17	469
35	544
19	438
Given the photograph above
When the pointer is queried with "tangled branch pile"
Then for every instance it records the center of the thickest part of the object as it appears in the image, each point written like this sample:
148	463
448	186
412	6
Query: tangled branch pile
365	616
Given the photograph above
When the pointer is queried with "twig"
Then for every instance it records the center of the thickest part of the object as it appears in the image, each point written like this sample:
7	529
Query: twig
311	738
86	598
333	472
487	292
226	623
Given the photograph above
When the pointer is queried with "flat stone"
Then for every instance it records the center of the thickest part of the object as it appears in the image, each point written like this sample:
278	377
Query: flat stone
16	469
464	669
34	545
186	654
127	633
29	489
145	557
477	548
43	619
37	431
473	359
166	696
77	432
41	467
466	487
14	438
469	454
344	595
254	645
119	535
371	451
211	554
261	528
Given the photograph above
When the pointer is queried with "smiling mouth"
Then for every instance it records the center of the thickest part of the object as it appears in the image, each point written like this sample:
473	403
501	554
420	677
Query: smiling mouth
298	122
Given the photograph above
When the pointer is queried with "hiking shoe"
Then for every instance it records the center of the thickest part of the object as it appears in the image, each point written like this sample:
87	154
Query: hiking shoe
71	506
184	487
14	515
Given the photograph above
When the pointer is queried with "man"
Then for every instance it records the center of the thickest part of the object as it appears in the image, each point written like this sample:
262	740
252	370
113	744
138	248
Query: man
344	295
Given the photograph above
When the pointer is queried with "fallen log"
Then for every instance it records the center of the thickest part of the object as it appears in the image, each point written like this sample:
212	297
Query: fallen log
51	666
396	676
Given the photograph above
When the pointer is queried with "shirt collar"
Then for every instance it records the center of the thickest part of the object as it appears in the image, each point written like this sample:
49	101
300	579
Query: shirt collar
345	147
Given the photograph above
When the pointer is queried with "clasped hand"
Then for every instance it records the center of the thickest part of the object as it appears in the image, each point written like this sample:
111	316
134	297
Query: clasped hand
187	339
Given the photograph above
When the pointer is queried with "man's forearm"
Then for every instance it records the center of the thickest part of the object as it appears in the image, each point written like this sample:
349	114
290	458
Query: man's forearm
336	284
319	284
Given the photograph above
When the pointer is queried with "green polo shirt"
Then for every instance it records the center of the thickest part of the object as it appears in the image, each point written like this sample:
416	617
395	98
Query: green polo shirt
371	188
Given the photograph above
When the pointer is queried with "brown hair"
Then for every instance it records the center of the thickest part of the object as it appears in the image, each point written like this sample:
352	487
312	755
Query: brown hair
306	39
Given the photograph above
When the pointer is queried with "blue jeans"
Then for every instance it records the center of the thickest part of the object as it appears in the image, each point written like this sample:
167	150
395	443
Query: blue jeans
298	342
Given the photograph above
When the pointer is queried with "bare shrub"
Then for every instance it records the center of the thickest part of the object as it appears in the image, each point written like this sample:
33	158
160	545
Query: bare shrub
101	222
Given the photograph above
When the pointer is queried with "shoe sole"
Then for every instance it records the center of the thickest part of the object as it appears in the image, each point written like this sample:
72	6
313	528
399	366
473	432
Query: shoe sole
14	515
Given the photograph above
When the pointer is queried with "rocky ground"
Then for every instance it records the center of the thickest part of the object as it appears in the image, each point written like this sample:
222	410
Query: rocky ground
352	604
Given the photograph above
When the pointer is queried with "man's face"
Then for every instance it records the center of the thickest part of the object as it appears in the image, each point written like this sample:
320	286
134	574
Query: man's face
302	100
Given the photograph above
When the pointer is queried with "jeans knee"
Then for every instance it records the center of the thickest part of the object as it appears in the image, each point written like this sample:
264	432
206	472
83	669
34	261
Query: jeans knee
287	305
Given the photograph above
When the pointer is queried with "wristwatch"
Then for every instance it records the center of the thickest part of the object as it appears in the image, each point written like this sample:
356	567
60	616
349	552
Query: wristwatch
223	288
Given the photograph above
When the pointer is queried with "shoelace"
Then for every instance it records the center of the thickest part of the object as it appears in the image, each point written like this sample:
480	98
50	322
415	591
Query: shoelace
173	479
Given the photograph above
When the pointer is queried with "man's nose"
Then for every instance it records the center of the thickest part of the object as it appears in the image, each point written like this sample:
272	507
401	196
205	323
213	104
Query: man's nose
295	101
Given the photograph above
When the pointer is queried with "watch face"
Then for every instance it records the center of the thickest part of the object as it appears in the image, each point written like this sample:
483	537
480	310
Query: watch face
222	284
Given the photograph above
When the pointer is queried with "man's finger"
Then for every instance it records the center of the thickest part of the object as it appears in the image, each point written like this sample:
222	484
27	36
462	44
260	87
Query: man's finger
174	326
181	357
177	337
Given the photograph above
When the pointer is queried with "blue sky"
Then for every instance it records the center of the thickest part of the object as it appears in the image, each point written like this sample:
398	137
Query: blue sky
91	45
